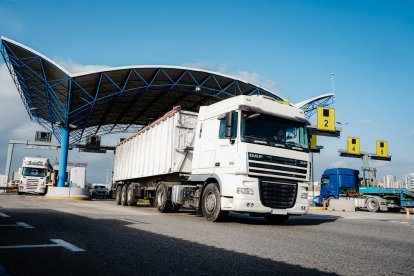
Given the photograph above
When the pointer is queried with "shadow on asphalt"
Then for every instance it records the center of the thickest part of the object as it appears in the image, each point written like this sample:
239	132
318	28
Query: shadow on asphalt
113	249
306	220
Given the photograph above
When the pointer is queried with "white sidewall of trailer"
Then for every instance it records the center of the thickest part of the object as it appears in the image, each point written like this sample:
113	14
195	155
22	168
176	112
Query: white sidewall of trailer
157	150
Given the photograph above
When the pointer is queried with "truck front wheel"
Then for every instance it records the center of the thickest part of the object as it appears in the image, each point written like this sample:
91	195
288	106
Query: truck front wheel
118	195
372	204
211	203
164	205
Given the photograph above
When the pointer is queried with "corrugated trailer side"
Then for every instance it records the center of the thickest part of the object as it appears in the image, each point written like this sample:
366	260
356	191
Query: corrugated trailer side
158	149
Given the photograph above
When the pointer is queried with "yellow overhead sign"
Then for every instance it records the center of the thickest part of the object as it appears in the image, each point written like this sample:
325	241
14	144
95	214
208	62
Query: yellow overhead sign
326	119
354	146
313	142
382	148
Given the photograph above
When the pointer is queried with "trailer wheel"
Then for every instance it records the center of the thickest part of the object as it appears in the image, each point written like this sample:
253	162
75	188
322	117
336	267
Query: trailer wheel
276	219
164	205
118	195
372	204
131	199
211	203
124	192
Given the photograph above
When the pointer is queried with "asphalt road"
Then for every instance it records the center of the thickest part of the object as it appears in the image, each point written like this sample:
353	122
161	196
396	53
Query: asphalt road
99	237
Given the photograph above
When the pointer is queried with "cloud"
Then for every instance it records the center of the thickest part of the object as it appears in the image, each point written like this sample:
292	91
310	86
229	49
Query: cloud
244	75
367	121
75	68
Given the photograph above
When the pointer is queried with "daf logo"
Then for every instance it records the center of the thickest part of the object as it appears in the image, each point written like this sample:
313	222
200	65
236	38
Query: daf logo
255	155
302	163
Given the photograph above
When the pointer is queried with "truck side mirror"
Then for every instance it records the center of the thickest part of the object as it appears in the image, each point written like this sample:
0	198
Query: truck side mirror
229	124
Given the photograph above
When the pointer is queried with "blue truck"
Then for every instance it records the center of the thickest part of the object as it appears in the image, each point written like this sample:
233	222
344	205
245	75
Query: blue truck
345	183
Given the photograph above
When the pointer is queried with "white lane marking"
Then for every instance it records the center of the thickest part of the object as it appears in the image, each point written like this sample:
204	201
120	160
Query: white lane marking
67	245
24	225
56	243
4	215
18	224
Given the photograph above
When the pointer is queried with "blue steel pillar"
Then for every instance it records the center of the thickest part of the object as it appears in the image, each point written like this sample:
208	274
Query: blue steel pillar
63	157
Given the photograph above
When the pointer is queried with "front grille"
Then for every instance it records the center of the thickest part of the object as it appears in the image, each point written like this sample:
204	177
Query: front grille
277	167
32	183
277	193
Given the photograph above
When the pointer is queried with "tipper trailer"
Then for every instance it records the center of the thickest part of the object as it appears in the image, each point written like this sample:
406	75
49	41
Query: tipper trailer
247	154
345	183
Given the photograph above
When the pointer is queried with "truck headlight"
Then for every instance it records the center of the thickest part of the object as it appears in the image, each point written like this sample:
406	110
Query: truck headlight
245	191
304	195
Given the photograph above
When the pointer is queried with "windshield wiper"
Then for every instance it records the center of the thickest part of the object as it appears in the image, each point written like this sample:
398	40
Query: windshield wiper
293	144
257	138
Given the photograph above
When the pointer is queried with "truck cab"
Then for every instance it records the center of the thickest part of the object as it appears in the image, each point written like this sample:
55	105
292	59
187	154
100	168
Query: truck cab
257	150
335	182
35	174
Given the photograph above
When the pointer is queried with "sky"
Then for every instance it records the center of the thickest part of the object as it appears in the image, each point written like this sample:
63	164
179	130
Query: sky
288	47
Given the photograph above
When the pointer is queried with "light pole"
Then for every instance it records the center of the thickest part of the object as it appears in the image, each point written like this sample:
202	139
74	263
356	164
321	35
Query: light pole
343	124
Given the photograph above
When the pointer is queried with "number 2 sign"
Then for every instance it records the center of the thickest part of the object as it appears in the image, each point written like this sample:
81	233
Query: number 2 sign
326	119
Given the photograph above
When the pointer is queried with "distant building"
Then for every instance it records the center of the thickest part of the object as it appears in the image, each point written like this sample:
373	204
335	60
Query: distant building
409	181
3	180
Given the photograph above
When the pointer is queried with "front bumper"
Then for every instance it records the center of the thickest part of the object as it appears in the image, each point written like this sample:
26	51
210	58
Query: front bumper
252	203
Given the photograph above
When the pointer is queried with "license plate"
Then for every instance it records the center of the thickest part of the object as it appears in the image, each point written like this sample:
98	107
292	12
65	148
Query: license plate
279	212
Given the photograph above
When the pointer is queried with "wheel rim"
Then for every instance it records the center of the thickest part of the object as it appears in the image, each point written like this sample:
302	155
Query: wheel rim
372	204
210	202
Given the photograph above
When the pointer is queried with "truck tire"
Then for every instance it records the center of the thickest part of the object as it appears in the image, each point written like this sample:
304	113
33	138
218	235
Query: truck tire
124	201
131	199
372	204
276	219
118	195
164	205
328	201
211	203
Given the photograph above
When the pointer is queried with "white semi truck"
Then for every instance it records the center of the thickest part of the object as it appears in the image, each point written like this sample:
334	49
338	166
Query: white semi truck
247	154
35	175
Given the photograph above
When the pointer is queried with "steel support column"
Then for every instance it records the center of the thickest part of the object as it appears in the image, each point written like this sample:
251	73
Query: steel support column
63	156
9	161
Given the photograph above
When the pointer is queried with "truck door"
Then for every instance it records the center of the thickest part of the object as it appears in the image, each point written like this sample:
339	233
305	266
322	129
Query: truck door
207	135
226	149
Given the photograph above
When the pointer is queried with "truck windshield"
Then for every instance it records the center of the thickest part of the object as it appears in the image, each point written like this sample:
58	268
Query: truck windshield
278	132
34	172
325	180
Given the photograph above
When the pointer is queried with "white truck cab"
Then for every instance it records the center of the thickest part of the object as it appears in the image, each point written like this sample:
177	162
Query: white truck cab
35	173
